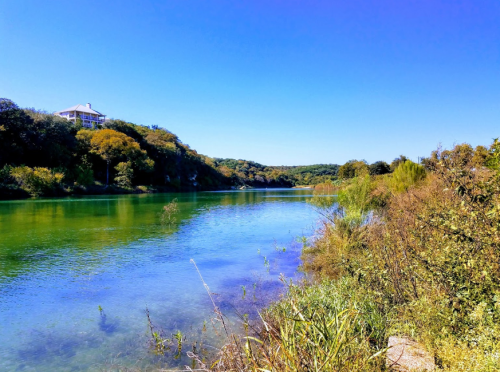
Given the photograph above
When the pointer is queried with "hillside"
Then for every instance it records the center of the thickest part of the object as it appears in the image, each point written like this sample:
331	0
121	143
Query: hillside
44	154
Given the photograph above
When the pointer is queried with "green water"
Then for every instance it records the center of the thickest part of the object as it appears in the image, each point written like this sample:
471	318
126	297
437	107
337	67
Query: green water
60	259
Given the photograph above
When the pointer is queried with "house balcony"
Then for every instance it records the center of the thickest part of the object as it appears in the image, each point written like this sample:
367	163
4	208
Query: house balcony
83	117
92	118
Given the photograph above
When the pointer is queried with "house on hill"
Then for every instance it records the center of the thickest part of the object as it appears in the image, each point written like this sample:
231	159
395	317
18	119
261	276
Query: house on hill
89	117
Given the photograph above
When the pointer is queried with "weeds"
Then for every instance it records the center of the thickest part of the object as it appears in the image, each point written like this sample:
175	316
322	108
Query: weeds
167	216
244	289
267	264
159	344
325	327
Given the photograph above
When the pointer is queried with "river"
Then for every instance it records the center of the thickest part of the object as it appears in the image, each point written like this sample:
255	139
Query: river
76	274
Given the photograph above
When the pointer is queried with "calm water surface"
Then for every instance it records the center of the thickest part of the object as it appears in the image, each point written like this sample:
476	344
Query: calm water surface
60	259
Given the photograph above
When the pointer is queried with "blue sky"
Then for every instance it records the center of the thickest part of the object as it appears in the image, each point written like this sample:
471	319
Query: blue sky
278	82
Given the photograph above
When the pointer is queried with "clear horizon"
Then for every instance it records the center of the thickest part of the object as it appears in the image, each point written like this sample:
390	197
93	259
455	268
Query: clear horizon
279	83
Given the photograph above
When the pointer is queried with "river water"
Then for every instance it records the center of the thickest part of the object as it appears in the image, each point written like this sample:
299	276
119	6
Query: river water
76	274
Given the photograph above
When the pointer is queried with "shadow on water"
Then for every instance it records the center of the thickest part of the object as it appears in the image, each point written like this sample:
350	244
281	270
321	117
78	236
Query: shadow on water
45	346
106	326
215	263
249	294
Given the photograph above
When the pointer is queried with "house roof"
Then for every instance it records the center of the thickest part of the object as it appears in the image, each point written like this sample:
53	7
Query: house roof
80	108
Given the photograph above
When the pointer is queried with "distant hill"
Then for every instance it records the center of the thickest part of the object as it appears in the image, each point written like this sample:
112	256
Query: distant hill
258	175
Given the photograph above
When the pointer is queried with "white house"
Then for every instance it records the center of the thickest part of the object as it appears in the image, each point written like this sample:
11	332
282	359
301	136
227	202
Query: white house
89	117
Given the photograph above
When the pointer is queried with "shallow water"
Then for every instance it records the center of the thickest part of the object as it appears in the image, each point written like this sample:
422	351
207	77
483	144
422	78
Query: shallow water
62	259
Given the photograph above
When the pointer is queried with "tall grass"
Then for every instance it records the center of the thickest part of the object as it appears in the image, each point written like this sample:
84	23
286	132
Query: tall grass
341	237
326	327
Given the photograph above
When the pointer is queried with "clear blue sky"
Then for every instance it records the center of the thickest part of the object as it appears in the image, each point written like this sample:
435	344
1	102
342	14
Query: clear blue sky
278	82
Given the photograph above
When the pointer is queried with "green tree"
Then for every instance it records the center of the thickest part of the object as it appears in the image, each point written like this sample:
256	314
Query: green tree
395	163
84	174
55	140
346	171
124	174
353	168
493	158
17	133
379	167
78	123
480	157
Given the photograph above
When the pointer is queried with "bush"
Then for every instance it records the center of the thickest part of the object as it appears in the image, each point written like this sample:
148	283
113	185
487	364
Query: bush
338	249
407	174
37	181
5	176
167	216
84	175
124	174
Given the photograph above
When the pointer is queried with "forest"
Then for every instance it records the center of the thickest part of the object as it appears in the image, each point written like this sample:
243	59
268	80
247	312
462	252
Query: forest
42	154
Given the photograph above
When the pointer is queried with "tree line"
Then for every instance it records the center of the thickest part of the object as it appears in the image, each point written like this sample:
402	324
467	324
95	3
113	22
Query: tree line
44	154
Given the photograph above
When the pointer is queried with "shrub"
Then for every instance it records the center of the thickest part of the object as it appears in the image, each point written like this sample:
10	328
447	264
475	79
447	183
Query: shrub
5	176
167	216
124	174
355	200
338	249
37	181
429	256
84	175
407	174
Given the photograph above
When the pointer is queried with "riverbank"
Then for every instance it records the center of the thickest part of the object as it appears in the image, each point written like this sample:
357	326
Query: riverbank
411	255
14	192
